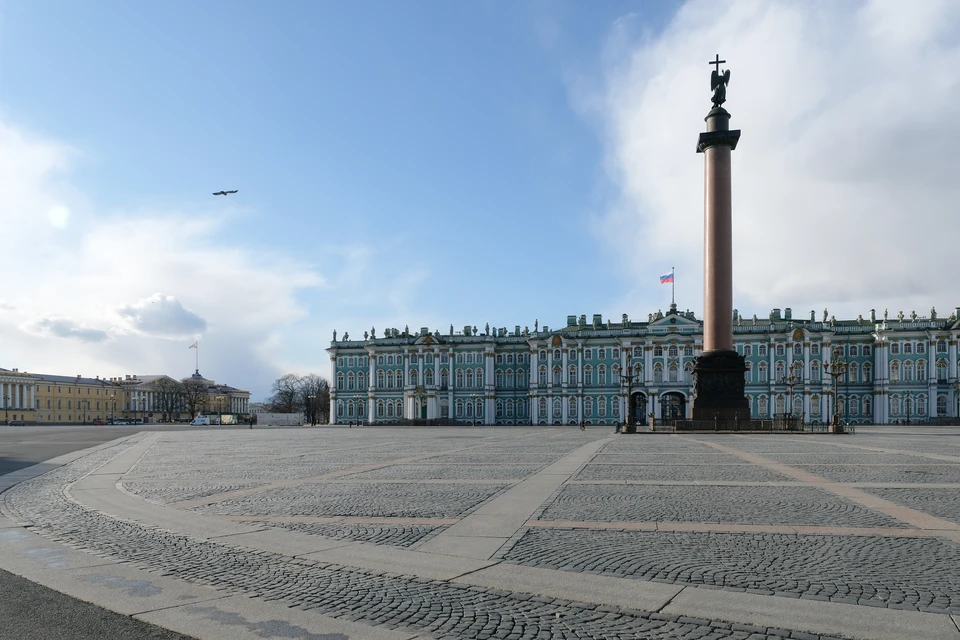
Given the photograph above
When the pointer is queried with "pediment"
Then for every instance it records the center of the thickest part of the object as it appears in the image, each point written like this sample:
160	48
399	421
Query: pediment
673	321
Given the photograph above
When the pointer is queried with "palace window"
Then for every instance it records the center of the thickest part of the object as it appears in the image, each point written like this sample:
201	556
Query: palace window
444	378
780	404
798	405
572	408
557	355
688	351
572	375
854	406
941	370
351	381
588	407
815	349
509	358
941	405
498	378
602	407
895	405
747	350
470	378
543	355
762	350
672	372
814	405
895	348
601	354
763	406
602	375
459	358
556	374
428	377
853	373
380	409
542	408
469	358
747	375
895	371
781	369
413	378
509	408
672	351
865	350
542	375
389	359
616	354
922	405
780	349
588	354
510	379
459	378
557	409
798	349
763	372
340	408
867	406
867	372
921	370
499	358
340	381
921	347
380	360
499	408
459	408
908	347
941	347
588	375
638	370
444	358
908	371
638	352
657	351
657	373
521	378
519	358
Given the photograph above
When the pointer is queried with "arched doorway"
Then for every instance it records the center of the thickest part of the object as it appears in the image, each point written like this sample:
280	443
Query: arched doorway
673	406
638	408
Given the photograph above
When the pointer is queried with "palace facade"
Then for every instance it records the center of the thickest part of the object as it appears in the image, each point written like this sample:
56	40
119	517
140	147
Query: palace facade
877	370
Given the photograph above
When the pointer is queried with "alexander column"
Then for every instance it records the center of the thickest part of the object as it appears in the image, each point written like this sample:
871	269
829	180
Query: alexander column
719	370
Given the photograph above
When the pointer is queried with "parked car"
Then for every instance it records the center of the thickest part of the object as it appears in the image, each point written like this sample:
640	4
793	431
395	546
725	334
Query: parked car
98	421
17	423
200	421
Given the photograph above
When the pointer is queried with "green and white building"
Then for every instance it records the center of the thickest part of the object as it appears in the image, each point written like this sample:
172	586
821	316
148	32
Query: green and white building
894	370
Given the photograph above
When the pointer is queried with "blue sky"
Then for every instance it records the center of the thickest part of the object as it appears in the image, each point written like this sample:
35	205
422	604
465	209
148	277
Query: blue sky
418	164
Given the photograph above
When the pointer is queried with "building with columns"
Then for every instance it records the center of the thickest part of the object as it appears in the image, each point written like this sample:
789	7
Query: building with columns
893	370
40	398
17	395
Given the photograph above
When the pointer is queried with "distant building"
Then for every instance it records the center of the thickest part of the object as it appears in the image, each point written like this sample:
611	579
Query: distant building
897	369
54	399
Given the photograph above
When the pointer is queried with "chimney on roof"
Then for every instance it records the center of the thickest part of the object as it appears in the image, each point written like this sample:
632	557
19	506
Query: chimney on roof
128	376
78	376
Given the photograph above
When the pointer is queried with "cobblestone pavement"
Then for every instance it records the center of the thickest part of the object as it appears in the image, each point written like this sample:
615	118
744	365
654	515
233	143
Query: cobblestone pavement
810	506
721	513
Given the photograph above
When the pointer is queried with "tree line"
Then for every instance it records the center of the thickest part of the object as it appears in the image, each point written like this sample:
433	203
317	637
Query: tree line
172	398
309	394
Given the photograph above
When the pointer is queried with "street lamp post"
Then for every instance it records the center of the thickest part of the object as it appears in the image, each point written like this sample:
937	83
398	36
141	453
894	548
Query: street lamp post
473	411
6	409
357	402
143	409
791	381
956	398
626	383
835	369
311	408
219	410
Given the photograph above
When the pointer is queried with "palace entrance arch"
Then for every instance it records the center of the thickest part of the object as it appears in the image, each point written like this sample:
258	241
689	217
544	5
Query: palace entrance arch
673	406
638	408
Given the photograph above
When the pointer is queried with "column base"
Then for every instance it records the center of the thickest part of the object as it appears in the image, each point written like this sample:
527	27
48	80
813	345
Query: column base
719	387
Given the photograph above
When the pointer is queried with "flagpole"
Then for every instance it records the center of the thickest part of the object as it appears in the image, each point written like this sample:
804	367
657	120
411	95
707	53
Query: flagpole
198	356
673	286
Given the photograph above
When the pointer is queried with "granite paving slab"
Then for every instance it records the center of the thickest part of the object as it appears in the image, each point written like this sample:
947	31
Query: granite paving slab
681	473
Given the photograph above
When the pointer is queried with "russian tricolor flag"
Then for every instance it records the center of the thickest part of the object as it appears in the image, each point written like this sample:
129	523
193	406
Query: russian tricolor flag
667	279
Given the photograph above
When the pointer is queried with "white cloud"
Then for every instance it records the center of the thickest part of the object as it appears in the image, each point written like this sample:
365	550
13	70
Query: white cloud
162	316
844	186
64	328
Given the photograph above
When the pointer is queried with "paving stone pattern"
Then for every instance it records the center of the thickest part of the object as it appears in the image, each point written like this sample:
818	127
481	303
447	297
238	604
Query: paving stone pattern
167	493
844	458
680	473
722	504
383	500
868	570
892	473
437	608
942	503
447	472
393	535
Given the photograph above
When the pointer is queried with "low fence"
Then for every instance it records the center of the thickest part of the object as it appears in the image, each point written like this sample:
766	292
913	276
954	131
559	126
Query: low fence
718	424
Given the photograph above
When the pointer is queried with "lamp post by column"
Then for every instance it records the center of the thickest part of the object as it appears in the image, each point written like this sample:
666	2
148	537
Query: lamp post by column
473	410
311	409
626	385
835	369
143	409
908	396
219	410
791	381
6	409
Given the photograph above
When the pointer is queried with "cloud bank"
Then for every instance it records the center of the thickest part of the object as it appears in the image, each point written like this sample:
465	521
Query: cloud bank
844	193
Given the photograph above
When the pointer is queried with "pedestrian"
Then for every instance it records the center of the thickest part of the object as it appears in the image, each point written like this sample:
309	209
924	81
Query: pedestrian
251	422
583	426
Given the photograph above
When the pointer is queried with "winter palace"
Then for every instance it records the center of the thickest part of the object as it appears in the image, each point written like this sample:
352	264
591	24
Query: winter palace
887	369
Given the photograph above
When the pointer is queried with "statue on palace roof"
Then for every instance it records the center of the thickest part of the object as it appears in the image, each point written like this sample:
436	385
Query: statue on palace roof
346	336
366	335
933	313
900	316
824	314
373	332
913	316
334	335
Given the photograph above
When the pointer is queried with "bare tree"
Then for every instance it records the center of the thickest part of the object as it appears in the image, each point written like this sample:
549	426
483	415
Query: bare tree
195	396
314	398
286	394
169	396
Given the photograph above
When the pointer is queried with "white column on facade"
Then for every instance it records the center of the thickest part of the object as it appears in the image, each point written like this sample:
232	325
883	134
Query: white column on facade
333	390
550	367
952	355
436	372
564	378
806	362
406	369
4	393
806	405
772	375
580	366
789	350
932	364
648	363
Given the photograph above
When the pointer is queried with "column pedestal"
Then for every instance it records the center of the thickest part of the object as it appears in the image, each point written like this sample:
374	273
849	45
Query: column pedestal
718	383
